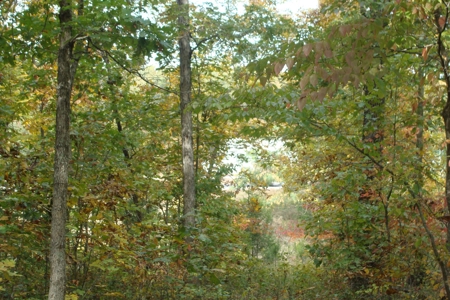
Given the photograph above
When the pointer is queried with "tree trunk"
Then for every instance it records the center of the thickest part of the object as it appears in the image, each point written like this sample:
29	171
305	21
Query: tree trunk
420	182
444	62
186	116
446	117
62	156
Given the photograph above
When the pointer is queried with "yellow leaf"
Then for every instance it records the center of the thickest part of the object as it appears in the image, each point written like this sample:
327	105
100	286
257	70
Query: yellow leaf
72	201
263	80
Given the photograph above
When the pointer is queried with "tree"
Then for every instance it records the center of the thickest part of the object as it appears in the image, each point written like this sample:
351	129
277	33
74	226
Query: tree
337	71
186	116
66	75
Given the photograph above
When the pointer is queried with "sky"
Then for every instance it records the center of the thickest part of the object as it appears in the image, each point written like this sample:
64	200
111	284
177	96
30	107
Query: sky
295	5
285	6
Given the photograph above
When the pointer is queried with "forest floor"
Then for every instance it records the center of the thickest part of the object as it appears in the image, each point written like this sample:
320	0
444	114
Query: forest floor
285	225
282	215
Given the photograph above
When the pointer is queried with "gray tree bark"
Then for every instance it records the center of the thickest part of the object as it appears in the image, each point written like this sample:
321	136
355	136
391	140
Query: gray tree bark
186	116
62	156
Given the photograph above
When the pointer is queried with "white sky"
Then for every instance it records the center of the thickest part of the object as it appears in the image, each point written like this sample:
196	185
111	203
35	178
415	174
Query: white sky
285	6
295	5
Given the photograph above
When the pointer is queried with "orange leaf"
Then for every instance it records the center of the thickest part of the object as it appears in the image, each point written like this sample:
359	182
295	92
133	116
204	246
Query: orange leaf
301	103
391	291
304	82
356	81
442	21
319	47
278	67
344	30
349	57
425	53
422	13
331	90
313	80
307	49
322	93
290	63
369	55
321	73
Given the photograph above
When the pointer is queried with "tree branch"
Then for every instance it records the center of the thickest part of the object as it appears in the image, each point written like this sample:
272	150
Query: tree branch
131	71
202	41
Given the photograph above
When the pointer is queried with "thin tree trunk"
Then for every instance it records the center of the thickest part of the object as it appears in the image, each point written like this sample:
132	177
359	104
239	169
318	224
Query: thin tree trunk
186	116
419	132
443	60
446	117
435	252
420	182
372	134
62	156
